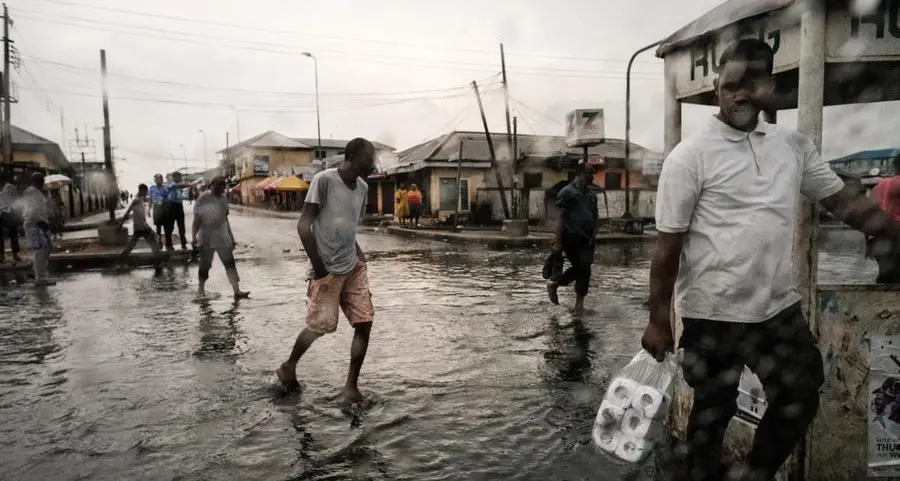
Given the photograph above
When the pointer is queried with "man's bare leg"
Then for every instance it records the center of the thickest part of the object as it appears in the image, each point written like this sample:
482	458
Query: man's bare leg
358	350
578	310
287	372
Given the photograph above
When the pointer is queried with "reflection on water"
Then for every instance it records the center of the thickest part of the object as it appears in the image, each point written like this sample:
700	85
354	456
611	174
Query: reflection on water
471	373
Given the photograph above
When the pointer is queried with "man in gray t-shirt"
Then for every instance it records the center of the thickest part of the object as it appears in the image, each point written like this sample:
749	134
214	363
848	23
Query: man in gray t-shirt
211	232
338	278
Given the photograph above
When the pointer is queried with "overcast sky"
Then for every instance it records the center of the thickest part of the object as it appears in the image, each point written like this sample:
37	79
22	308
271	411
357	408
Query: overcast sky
396	71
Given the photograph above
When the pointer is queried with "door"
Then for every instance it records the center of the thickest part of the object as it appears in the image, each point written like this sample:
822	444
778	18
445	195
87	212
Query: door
372	201
387	198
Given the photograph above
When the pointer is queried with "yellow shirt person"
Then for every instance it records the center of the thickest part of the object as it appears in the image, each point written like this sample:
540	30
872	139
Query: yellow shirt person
402	205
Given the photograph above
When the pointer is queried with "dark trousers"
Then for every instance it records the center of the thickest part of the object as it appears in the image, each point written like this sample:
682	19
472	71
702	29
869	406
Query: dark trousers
782	353
175	215
886	253
580	252
9	227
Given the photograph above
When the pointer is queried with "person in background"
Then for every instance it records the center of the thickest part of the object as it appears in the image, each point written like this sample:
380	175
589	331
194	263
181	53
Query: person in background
57	217
9	219
725	217
338	277
142	230
885	251
37	229
401	202
175	210
576	235
158	194
211	233
414	198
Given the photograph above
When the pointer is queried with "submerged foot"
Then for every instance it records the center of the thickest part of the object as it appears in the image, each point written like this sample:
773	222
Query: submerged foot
351	395
288	378
241	295
553	292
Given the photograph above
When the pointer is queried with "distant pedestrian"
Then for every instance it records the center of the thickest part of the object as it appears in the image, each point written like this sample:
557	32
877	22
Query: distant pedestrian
142	230
57	216
401	202
338	276
175	210
886	252
158	194
37	229
10	219
576	235
212	235
414	197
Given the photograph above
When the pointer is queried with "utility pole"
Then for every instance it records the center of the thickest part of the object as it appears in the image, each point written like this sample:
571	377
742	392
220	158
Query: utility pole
493	153
518	193
107	144
459	199
228	165
509	139
7	95
83	183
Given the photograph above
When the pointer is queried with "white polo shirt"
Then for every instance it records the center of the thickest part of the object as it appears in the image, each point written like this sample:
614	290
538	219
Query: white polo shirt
735	195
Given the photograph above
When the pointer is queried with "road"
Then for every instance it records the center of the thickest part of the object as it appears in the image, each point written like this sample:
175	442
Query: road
471	373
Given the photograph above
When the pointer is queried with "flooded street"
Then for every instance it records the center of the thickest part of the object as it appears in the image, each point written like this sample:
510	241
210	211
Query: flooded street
471	374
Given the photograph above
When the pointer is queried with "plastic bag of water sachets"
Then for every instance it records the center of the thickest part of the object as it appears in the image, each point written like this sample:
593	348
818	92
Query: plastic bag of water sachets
630	420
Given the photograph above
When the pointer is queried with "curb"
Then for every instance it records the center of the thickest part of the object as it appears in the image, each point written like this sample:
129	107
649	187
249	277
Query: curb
503	242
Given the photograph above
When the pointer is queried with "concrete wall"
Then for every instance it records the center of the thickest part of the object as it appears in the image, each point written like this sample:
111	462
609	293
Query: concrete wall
279	160
476	182
36	157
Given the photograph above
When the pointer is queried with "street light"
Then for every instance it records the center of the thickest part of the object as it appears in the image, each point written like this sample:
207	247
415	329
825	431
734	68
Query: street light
318	118
184	150
205	152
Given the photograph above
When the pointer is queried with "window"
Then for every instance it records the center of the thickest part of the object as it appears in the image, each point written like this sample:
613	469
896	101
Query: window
449	194
533	181
613	181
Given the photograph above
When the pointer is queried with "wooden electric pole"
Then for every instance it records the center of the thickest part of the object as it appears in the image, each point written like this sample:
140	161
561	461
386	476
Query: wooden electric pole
7	95
492	152
459	196
111	193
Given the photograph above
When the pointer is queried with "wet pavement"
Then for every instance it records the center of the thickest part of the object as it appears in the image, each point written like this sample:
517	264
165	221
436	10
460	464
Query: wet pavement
471	373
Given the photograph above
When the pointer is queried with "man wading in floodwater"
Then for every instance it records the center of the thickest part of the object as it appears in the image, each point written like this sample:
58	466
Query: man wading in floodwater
338	277
211	231
725	215
576	235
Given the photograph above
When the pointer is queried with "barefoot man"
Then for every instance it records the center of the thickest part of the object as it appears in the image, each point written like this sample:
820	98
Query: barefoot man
212	232
338	277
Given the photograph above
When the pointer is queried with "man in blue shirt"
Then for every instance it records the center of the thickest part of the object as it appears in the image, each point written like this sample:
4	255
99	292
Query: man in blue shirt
575	235
174	208
158	194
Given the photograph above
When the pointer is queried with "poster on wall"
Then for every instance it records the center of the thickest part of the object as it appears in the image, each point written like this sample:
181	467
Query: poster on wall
884	407
261	165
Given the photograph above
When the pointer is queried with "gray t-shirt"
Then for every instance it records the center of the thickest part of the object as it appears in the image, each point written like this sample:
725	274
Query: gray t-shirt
340	209
213	212
139	214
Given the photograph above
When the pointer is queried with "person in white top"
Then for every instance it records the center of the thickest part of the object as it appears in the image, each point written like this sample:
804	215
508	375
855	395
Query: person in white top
211	231
142	230
725	215
9	219
37	228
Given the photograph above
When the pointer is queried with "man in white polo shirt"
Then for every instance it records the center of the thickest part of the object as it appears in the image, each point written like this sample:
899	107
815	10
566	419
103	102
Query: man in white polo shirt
725	213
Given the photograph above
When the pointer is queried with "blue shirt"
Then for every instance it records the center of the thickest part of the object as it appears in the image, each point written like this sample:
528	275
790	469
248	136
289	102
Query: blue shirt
158	194
175	194
580	209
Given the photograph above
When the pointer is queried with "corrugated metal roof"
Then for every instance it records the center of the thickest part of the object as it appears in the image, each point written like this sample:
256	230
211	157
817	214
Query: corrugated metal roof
870	155
339	144
728	13
475	148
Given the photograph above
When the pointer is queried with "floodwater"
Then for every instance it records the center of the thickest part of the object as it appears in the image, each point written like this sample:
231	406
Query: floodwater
471	373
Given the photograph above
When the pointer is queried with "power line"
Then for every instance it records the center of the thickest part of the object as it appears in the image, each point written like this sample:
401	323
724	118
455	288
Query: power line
257	30
249	91
217	41
224	106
